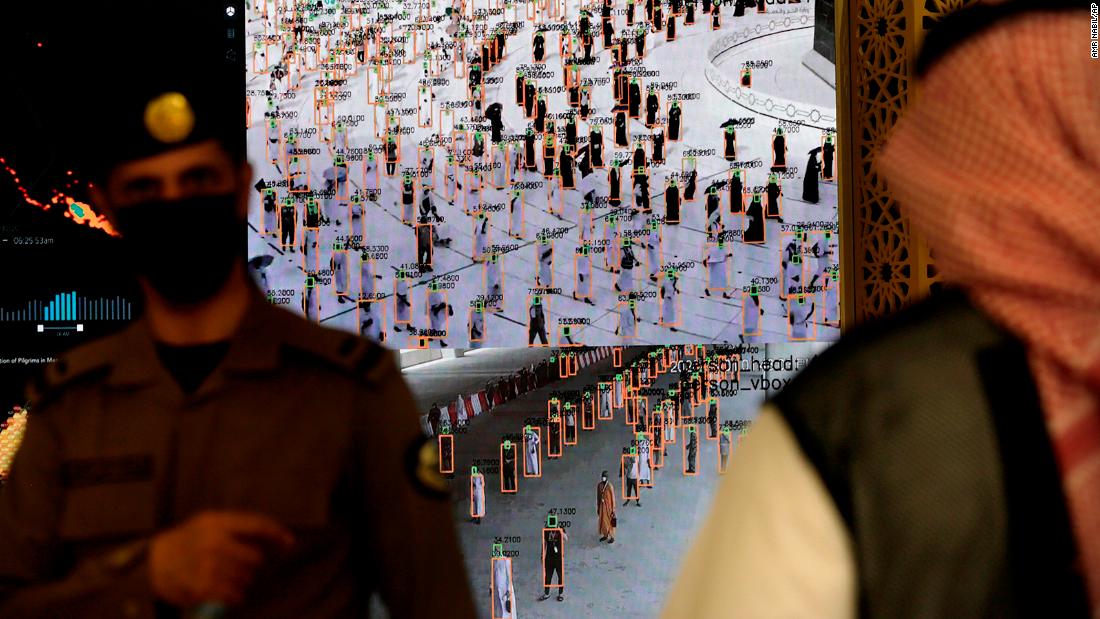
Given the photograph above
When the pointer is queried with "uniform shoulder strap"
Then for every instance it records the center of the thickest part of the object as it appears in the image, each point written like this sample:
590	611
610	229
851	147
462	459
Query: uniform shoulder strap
85	363
344	352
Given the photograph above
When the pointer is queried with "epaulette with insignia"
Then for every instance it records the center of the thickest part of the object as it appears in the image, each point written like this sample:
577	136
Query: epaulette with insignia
422	466
79	365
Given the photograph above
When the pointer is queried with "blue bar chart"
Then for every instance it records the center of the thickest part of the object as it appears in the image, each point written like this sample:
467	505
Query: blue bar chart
68	307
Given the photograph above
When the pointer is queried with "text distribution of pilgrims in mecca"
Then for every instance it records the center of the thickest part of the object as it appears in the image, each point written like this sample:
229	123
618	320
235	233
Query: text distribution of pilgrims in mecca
483	173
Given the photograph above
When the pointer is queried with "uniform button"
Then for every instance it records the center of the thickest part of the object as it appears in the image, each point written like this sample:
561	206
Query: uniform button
119	558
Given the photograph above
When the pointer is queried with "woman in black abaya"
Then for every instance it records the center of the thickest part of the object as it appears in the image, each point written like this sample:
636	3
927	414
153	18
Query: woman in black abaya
810	180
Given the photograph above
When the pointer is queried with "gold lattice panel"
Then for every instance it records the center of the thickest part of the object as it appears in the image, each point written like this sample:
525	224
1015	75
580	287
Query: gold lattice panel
930	12
886	264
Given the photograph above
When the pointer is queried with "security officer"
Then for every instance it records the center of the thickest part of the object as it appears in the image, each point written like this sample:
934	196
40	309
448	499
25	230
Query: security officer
220	455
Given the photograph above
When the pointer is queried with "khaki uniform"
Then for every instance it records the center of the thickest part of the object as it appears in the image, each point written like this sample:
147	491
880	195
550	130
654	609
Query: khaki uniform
310	426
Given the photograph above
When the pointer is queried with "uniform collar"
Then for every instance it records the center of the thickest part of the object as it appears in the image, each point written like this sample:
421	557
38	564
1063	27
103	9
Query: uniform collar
137	363
253	347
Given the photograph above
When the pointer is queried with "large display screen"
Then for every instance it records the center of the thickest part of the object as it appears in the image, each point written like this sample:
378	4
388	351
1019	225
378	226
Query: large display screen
486	173
631	205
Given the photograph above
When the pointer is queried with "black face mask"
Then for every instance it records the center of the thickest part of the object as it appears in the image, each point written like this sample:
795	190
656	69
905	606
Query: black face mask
186	248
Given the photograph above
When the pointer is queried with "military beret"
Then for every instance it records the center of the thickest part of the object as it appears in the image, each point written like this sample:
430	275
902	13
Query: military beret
149	90
157	117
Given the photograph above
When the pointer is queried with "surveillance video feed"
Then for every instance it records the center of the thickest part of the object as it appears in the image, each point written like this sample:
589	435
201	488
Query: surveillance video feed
600	234
579	479
617	219
554	173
